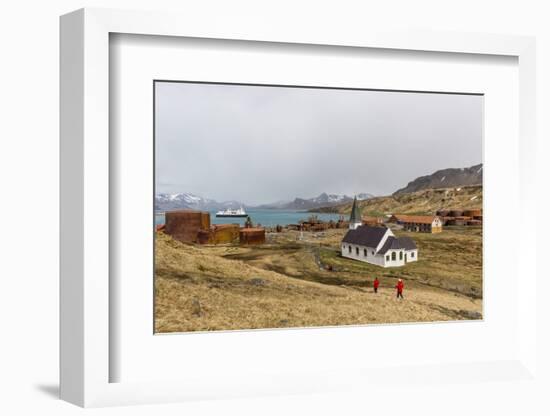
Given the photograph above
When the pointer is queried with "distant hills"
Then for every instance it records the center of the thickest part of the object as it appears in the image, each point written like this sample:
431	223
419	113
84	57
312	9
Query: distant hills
182	200
423	202
323	200
409	199
445	178
446	188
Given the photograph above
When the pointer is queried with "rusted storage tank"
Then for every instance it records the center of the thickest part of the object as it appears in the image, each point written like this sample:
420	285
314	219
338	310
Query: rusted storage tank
224	233
319	227
472	212
250	236
184	225
445	220
203	237
456	213
342	224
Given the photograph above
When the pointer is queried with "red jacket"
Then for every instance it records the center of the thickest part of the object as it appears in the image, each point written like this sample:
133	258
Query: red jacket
399	286
376	283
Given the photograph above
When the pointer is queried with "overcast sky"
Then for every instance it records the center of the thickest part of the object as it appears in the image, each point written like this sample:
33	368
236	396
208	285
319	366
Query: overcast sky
265	144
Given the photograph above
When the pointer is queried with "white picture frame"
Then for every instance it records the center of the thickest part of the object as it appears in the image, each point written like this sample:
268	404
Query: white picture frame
85	212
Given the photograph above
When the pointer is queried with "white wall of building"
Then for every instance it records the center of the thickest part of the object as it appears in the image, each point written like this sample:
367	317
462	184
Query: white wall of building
376	259
358	253
410	256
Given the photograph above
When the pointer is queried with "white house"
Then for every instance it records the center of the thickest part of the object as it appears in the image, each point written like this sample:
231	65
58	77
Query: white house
376	245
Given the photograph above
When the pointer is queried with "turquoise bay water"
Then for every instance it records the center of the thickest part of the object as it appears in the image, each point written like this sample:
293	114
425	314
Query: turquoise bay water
265	217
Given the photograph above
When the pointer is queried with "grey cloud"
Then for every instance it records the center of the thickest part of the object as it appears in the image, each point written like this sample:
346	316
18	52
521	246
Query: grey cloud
262	144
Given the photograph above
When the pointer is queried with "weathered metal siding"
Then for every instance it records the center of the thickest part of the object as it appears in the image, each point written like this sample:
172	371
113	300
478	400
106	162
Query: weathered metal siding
250	236
185	225
224	233
219	234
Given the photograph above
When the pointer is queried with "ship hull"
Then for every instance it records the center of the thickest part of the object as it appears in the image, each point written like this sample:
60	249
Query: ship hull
231	216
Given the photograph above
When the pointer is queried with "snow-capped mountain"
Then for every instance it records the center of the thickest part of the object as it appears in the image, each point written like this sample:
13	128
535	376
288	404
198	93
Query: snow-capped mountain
182	200
322	200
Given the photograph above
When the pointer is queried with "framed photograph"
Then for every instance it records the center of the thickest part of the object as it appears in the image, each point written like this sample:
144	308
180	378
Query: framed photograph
248	238
260	212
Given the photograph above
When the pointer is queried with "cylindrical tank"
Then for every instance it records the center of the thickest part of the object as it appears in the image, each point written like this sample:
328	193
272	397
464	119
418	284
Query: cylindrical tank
445	220
249	236
472	212
456	213
184	225
203	237
224	233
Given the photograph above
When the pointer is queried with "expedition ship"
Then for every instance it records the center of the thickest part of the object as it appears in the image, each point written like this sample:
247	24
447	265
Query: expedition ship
235	213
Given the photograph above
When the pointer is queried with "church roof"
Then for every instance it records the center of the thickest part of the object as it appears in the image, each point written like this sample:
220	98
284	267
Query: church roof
393	243
365	236
355	215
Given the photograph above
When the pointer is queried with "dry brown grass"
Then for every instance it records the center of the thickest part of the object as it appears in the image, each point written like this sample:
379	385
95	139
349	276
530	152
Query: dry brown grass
449	260
281	285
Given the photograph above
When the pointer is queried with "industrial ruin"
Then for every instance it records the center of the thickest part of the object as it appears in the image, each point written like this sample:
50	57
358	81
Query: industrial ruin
189	226
461	217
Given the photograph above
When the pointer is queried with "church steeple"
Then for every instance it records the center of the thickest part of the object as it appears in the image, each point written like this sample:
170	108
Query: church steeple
355	216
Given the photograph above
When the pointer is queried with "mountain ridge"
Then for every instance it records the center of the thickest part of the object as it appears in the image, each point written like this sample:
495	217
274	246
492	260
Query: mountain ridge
323	200
445	178
184	200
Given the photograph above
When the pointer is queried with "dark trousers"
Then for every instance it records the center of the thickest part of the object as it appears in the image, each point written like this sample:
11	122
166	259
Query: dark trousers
375	290
400	295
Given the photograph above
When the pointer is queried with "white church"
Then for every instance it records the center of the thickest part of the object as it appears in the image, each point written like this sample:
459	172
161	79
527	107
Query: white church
376	245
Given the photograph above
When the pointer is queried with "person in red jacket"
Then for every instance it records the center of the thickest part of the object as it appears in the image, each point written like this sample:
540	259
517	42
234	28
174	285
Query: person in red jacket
376	284
399	286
